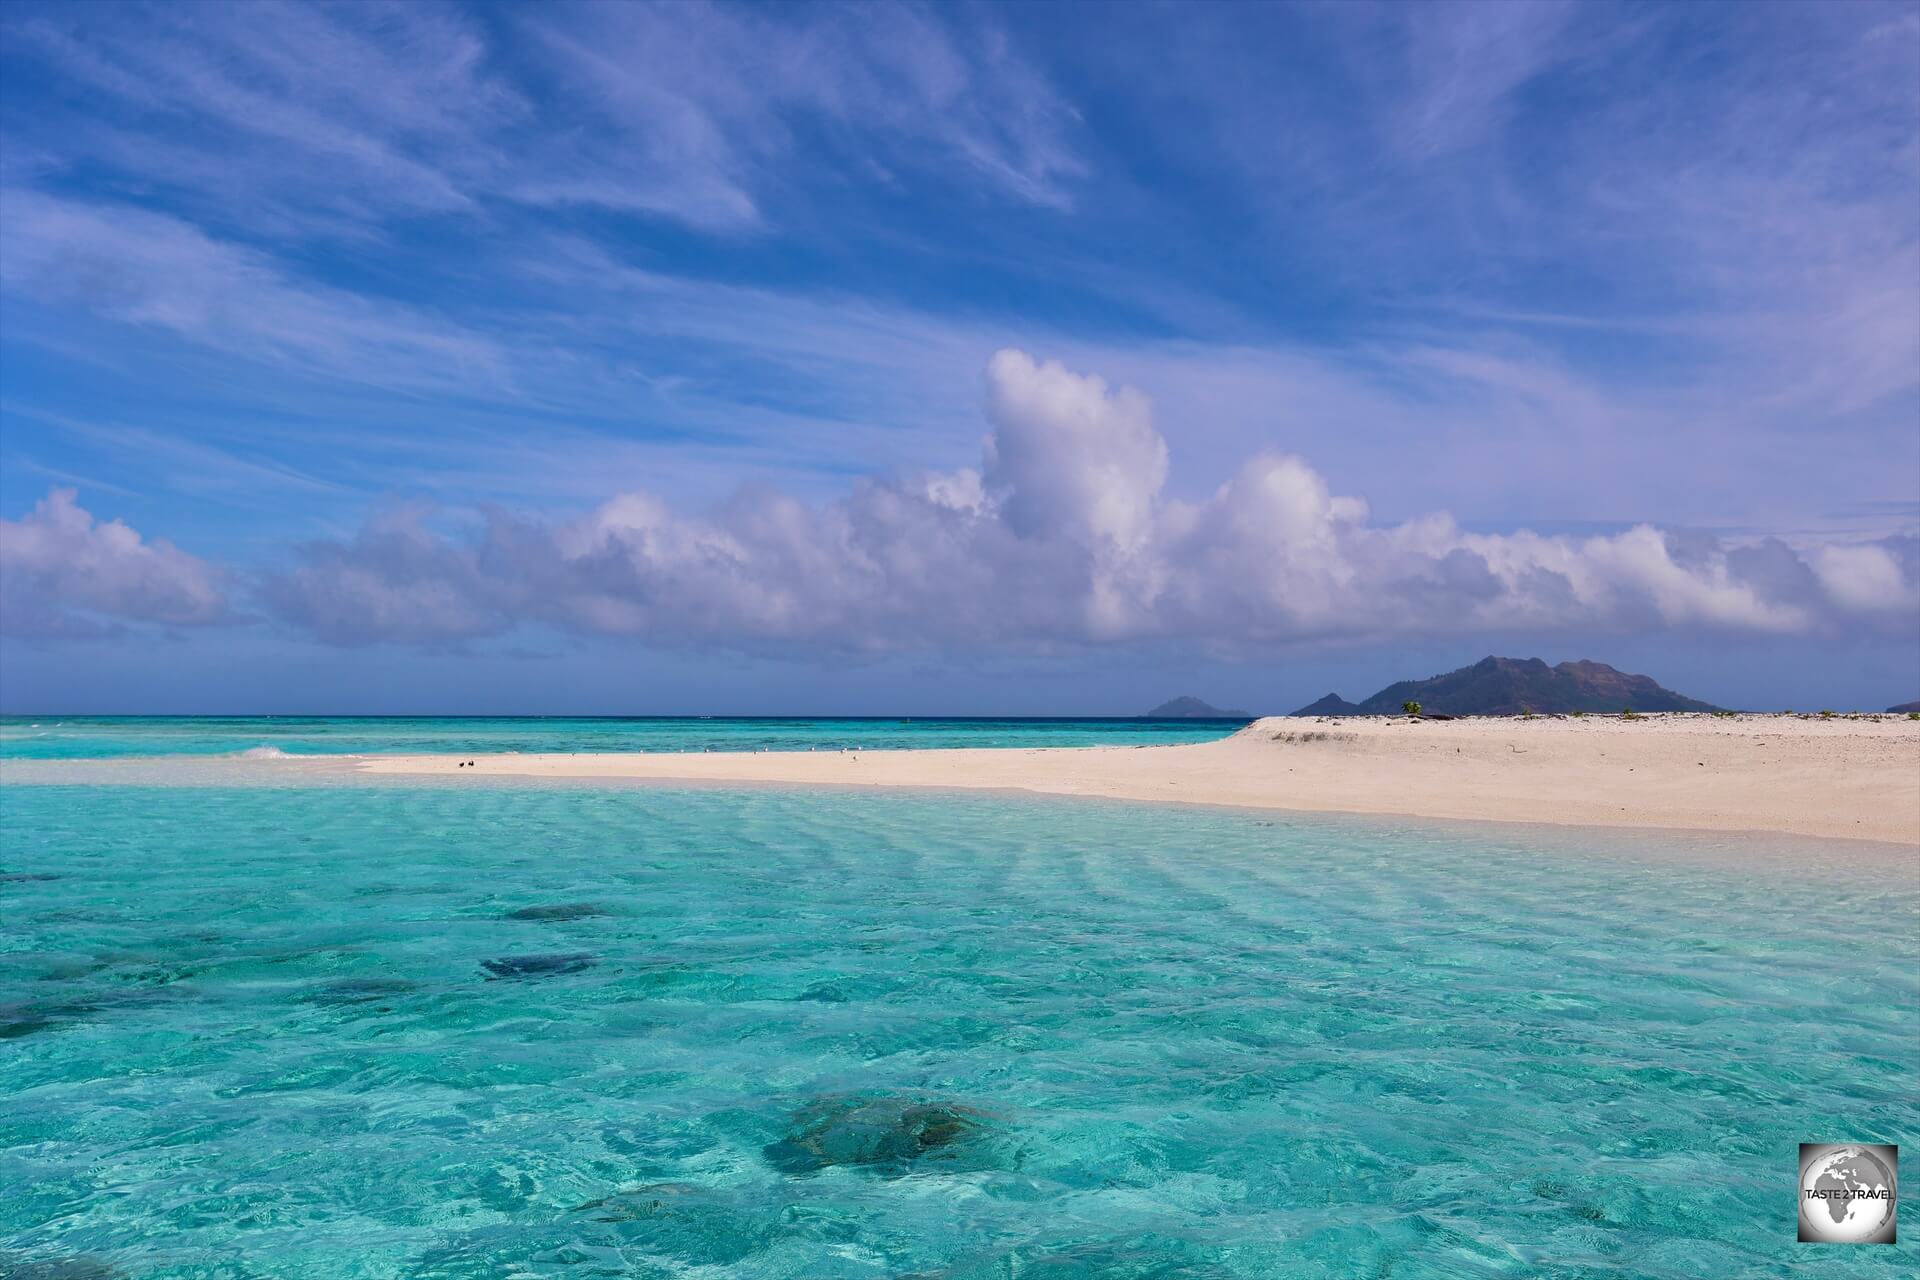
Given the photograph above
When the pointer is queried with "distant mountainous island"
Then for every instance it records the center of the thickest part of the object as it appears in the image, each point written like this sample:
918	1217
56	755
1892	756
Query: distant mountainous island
1193	709
1906	708
1511	686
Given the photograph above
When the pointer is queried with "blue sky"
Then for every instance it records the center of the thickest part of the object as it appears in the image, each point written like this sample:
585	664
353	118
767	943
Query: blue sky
991	358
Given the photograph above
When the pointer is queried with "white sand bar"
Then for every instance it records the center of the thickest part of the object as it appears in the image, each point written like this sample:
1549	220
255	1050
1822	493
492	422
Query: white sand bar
1840	777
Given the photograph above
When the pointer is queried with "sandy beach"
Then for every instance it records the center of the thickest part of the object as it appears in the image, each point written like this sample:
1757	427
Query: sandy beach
1833	778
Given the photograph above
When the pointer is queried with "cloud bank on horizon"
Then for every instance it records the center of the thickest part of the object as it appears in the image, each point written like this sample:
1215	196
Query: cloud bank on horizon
1063	536
427	324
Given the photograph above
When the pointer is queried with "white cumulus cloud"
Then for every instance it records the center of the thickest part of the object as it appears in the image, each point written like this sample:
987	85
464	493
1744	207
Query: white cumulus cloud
64	573
1064	535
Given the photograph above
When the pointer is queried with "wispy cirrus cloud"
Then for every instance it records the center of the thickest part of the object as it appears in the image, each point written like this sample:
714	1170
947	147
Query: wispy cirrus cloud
298	114
333	117
157	272
692	104
1462	66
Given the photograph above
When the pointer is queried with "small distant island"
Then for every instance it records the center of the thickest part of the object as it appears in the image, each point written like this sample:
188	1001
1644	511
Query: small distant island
1514	686
1906	708
1193	709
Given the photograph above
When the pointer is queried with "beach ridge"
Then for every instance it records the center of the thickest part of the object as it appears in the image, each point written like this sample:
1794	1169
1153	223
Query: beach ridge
1840	777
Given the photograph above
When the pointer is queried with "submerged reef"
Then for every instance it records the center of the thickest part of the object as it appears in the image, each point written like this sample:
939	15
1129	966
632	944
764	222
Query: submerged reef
558	911
540	966
859	1131
359	990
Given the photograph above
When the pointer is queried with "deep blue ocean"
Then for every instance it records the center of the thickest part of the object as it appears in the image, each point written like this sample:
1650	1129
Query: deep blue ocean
70	737
353	1028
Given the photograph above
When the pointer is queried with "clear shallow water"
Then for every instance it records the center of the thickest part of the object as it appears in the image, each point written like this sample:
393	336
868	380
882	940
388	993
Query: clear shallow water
77	737
254	1031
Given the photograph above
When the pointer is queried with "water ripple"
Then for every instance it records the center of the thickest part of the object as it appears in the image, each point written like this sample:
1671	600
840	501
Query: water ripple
355	1031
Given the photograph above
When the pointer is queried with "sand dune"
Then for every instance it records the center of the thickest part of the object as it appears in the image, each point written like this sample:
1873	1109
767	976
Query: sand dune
1855	778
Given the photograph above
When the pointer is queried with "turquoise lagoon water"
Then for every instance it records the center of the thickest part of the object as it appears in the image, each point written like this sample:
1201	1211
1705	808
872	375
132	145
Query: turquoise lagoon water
354	1030
72	737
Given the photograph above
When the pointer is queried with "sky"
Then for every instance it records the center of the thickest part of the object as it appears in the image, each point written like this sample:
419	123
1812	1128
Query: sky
963	358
